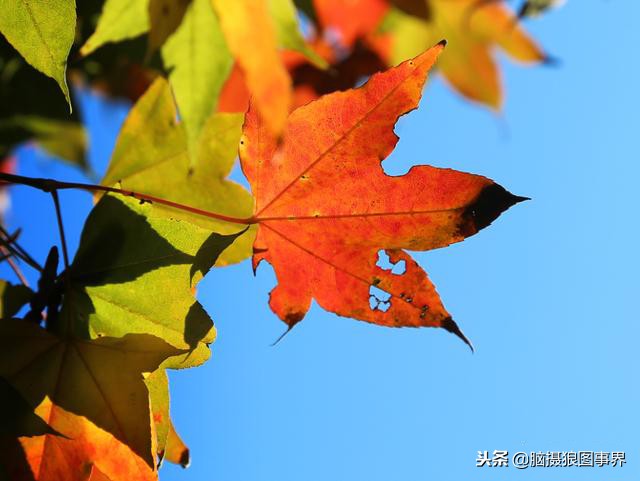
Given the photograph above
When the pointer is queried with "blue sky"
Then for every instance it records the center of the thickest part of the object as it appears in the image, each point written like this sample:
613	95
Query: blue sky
547	294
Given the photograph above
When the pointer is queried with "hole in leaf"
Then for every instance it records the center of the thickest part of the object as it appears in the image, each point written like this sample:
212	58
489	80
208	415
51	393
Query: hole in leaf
385	264
399	268
379	300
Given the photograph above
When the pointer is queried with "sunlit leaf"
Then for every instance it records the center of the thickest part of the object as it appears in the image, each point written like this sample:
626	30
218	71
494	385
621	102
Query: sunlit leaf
82	452
169	445
151	156
326	208
472	30
120	20
199	62
134	272
254	45
176	450
43	32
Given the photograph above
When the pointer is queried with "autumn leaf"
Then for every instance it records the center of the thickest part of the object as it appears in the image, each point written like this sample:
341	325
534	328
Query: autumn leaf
107	371
176	451
325	207
43	32
128	308
350	19
80	452
472	29
169	445
152	157
195	44
310	82
127	249
254	45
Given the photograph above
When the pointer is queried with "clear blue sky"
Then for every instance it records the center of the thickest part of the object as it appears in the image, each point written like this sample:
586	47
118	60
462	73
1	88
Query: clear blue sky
548	295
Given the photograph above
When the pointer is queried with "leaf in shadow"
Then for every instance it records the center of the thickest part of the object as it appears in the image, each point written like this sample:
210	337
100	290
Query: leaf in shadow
134	273
119	245
12	298
17	417
209	252
99	379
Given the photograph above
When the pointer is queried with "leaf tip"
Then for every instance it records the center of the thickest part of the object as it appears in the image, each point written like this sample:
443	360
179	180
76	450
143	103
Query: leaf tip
550	61
492	201
450	325
185	458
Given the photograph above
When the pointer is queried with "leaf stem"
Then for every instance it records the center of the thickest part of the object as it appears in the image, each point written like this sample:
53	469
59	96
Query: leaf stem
10	243
50	185
63	240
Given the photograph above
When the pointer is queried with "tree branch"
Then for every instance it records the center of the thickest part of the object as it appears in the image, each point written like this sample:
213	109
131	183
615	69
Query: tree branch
50	185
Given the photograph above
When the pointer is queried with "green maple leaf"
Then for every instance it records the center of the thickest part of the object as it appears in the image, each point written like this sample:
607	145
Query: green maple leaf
134	272
43	32
152	157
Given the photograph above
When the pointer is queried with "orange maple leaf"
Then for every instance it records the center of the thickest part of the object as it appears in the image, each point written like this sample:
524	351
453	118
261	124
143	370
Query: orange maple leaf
81	452
350	19
473	28
255	49
325	207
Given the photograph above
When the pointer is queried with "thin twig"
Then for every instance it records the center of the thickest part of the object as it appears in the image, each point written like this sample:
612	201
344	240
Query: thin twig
50	185
14	266
17	250
63	240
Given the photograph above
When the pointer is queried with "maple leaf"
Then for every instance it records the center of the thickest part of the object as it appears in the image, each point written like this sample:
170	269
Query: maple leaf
78	451
107	334
43	32
309	80
254	46
325	207
107	371
152	156
198	42
127	249
473	28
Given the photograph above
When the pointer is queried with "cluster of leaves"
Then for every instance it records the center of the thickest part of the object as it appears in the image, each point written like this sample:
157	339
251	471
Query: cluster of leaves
83	356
